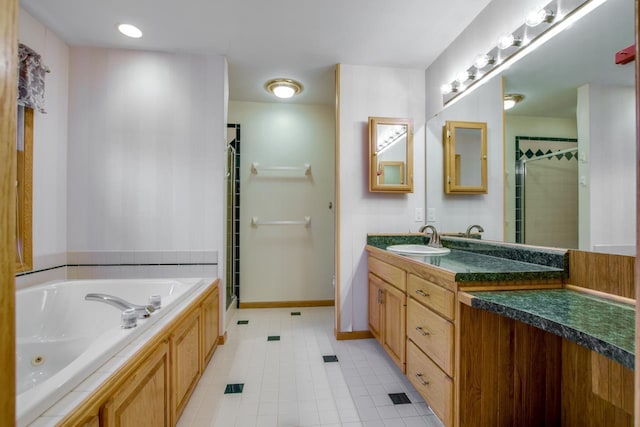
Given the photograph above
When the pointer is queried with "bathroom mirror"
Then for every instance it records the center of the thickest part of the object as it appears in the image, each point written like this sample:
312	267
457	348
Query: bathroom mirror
465	157
390	155
552	78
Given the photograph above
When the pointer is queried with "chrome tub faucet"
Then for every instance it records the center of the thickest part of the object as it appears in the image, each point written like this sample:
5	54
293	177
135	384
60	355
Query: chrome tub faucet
141	311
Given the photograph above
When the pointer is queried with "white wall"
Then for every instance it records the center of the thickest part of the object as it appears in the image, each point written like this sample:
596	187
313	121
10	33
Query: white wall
454	213
145	150
364	92
50	146
556	127
286	263
606	134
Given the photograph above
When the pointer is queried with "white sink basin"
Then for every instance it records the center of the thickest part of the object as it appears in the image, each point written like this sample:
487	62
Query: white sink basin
418	250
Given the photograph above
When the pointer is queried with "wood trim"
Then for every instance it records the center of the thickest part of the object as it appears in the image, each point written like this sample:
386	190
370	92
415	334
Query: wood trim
25	219
636	399
355	335
465	298
104	392
605	295
338	304
612	274
8	87
280	304
222	338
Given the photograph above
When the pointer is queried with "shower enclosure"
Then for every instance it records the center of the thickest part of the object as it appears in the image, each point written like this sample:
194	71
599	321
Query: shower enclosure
233	214
547	191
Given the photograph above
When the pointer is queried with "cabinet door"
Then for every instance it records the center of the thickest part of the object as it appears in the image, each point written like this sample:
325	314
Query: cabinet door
210	325
375	300
143	401
394	324
185	361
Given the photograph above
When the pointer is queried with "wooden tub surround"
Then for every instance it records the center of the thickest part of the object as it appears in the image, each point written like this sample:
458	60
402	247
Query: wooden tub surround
154	385
478	360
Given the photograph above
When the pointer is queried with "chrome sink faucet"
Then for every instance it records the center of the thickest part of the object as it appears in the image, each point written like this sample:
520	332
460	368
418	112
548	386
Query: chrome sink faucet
141	311
471	227
434	240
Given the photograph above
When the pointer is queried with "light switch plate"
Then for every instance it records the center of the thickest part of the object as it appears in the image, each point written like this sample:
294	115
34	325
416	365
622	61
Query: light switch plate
431	214
419	216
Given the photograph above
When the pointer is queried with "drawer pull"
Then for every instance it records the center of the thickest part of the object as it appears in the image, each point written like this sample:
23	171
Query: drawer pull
420	380
422	293
422	331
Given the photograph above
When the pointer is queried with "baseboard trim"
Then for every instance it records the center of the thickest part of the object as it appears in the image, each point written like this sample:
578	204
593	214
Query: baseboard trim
222	338
279	304
355	335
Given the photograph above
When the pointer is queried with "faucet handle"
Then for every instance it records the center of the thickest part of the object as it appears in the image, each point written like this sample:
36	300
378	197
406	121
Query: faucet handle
129	319
155	301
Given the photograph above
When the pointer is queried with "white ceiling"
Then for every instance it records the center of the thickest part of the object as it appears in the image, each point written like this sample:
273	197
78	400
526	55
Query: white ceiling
584	53
300	39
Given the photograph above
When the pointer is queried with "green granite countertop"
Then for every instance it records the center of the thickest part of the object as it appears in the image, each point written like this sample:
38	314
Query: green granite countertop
484	261
602	325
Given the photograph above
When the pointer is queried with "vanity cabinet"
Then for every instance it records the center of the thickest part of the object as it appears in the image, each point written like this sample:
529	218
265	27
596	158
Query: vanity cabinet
387	308
144	399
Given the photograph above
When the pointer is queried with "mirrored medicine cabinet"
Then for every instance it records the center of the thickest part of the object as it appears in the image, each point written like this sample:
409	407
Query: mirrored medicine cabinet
390	155
465	157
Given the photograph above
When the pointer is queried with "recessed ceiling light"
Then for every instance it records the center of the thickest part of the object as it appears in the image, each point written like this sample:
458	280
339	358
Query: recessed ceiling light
283	88
130	31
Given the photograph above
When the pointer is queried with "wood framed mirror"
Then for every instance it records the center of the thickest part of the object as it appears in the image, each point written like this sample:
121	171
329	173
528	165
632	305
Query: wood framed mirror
390	155
465	157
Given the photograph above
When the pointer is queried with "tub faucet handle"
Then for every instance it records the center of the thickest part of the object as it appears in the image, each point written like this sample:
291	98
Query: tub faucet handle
129	319
155	301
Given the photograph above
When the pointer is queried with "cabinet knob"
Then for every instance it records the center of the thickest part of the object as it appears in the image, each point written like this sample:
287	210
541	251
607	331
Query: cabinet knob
422	293
422	331
420	380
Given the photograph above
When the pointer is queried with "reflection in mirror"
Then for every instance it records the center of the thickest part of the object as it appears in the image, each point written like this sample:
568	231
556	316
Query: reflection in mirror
390	152
570	144
465	157
24	188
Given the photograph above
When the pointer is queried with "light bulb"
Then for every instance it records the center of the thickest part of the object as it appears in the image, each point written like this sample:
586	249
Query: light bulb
538	16
284	91
509	104
446	88
463	77
505	41
482	61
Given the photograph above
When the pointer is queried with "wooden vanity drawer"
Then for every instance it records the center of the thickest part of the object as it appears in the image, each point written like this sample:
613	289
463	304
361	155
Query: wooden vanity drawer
433	385
432	295
389	273
432	333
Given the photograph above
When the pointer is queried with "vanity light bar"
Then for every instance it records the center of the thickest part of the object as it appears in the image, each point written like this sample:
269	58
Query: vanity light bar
558	14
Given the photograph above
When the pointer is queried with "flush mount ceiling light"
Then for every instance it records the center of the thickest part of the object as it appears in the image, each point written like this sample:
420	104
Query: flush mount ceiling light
130	31
283	88
511	99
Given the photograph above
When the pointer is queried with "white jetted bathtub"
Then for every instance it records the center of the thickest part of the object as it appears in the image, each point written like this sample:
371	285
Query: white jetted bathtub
61	338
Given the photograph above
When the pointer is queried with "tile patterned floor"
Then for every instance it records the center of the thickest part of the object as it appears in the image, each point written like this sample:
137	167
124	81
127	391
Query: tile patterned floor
287	382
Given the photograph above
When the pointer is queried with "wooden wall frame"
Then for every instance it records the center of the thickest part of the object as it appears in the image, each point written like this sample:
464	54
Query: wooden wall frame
24	199
8	89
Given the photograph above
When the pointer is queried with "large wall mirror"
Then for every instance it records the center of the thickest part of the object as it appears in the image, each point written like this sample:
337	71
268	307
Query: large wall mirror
390	155
569	144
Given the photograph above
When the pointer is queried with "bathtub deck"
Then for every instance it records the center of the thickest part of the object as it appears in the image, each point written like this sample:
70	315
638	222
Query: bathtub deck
287	383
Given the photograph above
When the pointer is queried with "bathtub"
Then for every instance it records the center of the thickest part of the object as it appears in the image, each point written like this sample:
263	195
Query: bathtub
61	339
